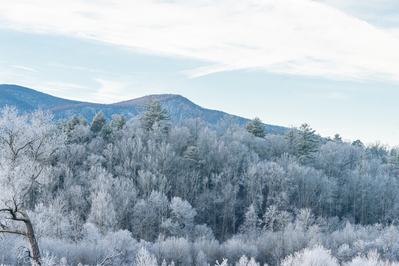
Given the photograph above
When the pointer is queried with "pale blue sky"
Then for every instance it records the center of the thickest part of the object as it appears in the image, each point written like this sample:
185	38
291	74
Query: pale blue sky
333	64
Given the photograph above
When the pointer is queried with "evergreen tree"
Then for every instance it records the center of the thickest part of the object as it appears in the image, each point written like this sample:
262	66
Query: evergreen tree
337	138
99	121
154	113
357	143
82	121
71	126
118	121
193	155
292	139
72	123
256	127
308	142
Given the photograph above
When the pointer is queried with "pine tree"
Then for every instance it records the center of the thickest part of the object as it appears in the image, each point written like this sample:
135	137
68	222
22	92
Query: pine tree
118	121
292	139
193	155
308	142
357	143
72	123
256	127
337	138
154	113
99	121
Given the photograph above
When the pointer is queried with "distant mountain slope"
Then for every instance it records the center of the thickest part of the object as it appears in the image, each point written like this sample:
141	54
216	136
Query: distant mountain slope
179	107
28	100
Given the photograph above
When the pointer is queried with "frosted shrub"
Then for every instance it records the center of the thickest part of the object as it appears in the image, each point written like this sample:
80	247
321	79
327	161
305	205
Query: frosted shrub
318	256
210	248
344	253
245	262
90	233
347	235
121	243
372	259
200	259
9	248
234	248
50	260
176	249
202	231
269	247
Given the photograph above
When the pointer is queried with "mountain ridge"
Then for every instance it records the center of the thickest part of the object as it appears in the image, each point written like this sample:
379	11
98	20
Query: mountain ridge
27	100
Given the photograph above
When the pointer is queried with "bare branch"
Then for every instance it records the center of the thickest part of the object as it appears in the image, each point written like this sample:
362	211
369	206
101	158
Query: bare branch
110	255
12	232
32	181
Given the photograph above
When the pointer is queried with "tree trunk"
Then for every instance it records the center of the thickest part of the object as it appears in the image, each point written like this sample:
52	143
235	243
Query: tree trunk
33	243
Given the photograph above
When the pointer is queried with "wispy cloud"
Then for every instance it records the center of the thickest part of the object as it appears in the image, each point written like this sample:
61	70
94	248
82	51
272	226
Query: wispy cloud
111	91
300	37
335	95
77	67
25	68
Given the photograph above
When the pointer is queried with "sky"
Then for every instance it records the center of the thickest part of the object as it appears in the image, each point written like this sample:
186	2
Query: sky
333	64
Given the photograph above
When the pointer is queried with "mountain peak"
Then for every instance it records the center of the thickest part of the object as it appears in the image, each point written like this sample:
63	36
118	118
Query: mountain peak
141	100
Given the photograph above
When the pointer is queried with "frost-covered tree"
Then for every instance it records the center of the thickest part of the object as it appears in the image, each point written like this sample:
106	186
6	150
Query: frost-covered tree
106	189
118	121
251	223
144	258
98	123
154	113
193	156
102	212
148	215
27	145
181	221
256	127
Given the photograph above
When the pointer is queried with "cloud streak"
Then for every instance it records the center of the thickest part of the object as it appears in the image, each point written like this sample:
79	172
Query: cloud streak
77	67
297	37
25	68
112	91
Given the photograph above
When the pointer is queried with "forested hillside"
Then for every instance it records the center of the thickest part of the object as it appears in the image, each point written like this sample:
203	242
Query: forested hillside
148	192
28	100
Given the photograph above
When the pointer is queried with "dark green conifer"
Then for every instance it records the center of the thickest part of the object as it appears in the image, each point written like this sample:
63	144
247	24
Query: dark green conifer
99	121
256	127
154	113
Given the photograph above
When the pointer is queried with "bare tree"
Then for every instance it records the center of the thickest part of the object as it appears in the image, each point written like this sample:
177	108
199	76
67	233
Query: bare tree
27	143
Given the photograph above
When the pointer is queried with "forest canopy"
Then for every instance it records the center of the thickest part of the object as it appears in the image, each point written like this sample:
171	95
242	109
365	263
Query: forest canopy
192	193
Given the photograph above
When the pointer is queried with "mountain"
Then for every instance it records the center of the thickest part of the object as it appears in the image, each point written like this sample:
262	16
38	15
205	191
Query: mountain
28	100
